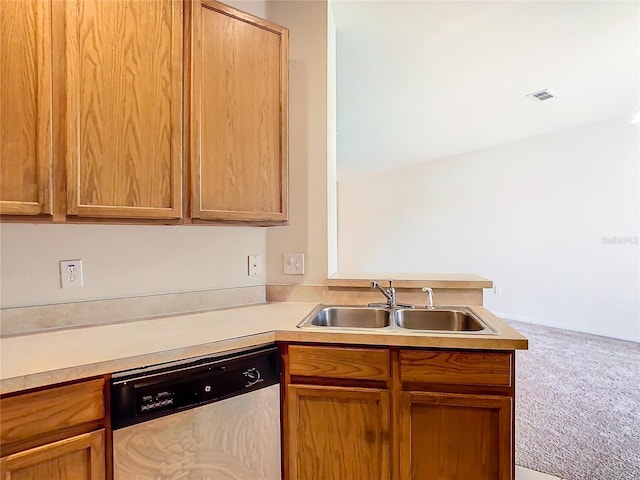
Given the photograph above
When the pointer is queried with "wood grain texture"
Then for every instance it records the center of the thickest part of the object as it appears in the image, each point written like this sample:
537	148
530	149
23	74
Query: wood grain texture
465	433
396	390
455	437
59	196
30	415
25	107
124	108
338	433
339	362
239	75
454	367
76	458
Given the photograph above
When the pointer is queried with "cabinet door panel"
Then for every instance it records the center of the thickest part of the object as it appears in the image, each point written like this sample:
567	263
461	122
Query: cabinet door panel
78	458
338	433
455	436
239	112
25	107
124	108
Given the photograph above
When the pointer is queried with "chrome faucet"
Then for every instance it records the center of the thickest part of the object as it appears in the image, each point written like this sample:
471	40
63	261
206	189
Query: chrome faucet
430	293
390	295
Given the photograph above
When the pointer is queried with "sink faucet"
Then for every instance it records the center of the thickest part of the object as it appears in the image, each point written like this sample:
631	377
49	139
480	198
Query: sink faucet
430	293
390	295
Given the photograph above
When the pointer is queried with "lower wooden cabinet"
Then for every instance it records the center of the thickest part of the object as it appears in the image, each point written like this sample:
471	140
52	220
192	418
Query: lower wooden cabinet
337	433
455	436
54	433
77	458
408	414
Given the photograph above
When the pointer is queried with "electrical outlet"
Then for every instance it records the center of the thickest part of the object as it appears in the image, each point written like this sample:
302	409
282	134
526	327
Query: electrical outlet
255	265
497	290
293	264
71	274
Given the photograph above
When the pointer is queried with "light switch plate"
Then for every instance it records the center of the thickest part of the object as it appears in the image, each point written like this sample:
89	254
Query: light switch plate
293	264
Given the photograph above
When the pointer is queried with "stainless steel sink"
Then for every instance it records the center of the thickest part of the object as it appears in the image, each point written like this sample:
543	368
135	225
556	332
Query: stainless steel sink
347	317
450	319
440	319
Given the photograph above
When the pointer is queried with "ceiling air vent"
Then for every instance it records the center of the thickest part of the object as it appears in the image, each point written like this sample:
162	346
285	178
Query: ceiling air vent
542	95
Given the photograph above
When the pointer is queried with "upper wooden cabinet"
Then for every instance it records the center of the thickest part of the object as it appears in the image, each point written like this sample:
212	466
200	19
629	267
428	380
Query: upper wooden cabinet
239	91
111	109
25	107
123	80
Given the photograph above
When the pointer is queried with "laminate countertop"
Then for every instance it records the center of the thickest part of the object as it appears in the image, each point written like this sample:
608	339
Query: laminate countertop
50	357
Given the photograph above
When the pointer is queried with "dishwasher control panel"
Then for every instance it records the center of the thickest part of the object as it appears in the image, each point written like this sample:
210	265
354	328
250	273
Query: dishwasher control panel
151	402
145	394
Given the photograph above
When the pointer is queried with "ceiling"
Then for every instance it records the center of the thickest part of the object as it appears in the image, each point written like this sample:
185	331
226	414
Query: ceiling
422	80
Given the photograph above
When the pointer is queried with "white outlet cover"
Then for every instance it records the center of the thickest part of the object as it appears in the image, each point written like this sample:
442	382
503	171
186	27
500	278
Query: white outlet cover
293	264
254	265
71	274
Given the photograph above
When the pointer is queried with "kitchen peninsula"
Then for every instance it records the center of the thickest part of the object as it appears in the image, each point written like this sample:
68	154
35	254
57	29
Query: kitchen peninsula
399	389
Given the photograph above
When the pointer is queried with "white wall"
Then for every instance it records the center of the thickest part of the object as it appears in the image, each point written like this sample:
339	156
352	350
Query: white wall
123	261
332	180
254	7
530	215
138	260
307	229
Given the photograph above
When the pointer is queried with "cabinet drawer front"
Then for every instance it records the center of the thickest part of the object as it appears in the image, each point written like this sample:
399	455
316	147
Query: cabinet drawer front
348	363
459	368
37	413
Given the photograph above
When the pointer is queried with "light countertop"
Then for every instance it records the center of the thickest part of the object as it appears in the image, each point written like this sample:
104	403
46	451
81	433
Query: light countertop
39	359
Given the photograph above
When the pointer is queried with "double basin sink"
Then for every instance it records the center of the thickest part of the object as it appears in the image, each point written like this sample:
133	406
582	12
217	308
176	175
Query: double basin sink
439	319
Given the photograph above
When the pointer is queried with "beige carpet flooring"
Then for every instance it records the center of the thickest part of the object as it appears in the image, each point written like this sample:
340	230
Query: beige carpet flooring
578	405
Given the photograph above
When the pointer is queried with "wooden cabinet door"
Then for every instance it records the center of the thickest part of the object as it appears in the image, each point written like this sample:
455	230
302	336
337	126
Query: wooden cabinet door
455	436
337	433
124	108
239	81
79	458
25	107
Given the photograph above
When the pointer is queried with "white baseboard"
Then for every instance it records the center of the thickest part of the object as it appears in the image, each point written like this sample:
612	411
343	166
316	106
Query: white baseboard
563	326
